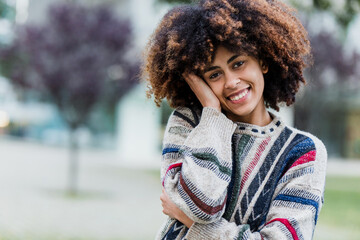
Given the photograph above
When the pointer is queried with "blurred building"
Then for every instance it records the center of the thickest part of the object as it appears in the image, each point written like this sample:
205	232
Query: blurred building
352	140
352	137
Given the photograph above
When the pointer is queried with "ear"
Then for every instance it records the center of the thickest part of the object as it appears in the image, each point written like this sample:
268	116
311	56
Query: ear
264	67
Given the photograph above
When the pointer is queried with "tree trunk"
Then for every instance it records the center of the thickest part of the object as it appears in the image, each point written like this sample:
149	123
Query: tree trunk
73	163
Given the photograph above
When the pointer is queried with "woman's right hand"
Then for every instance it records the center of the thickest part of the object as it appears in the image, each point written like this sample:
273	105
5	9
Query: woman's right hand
202	91
170	209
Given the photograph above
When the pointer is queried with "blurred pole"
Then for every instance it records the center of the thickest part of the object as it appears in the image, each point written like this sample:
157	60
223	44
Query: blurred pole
73	163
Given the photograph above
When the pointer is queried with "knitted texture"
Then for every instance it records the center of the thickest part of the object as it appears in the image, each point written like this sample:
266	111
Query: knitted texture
241	181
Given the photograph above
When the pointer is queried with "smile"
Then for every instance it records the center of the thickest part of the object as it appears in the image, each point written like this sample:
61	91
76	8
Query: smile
240	95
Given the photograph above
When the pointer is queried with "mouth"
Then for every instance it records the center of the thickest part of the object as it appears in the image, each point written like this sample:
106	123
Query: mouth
239	95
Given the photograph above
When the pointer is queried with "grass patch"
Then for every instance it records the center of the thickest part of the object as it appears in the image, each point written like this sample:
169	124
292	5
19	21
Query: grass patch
339	217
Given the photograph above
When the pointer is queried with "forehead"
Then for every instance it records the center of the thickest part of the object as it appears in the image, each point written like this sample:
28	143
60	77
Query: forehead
221	50
224	54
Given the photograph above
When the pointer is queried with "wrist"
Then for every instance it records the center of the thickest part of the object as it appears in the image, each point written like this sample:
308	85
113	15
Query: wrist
184	219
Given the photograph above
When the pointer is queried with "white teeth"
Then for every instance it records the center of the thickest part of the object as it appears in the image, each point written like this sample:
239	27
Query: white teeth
239	96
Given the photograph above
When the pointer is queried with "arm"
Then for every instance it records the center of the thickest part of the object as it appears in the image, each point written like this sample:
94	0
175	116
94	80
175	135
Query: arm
196	165
294	209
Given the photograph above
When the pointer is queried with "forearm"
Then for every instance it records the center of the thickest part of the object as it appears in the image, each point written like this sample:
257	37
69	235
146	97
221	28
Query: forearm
198	166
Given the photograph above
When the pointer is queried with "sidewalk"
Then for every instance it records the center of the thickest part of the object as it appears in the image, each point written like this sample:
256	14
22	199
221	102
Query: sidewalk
115	202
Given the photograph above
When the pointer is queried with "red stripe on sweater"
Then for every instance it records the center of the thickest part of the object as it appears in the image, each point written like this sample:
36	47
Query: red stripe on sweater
287	225
200	204
254	162
307	157
169	168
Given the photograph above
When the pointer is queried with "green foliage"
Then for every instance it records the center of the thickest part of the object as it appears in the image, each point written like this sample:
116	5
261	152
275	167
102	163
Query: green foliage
322	4
6	11
343	13
351	8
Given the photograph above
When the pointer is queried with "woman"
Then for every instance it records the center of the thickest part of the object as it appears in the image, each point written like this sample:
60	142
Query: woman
231	169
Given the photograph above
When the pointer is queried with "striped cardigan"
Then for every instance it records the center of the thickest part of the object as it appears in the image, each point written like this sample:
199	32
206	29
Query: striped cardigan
241	181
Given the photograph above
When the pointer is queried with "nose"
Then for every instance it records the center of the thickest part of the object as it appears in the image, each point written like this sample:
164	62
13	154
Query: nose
231	81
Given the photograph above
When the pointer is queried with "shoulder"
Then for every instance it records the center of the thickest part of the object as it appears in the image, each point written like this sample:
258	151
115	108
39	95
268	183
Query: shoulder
311	140
309	150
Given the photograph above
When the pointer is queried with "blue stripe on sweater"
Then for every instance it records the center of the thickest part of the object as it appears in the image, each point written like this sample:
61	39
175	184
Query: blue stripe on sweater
170	150
303	146
300	200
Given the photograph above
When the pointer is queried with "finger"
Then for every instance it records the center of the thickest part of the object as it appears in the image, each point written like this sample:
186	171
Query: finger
191	78
194	77
195	83
188	80
185	75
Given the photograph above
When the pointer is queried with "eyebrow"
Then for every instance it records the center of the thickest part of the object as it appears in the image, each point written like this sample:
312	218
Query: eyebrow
232	58
215	67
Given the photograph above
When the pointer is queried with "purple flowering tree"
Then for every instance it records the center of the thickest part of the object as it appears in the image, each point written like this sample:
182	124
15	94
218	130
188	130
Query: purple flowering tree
78	58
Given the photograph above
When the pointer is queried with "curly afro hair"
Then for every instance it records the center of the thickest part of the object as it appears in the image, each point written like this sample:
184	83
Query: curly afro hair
188	36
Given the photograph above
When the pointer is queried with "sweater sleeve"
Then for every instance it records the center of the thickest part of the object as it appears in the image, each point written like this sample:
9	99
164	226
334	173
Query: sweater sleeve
293	211
196	165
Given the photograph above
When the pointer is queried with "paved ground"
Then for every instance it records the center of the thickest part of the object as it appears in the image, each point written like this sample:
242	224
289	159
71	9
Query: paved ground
115	202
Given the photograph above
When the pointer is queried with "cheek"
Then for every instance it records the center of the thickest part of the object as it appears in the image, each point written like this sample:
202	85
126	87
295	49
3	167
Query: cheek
261	84
258	82
216	88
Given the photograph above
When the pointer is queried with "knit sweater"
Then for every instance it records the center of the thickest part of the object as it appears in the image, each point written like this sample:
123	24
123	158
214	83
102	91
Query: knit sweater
241	181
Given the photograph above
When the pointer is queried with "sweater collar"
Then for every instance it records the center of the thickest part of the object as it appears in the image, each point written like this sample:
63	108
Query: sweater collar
274	126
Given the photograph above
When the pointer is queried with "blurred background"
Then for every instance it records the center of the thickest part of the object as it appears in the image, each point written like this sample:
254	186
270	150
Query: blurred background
80	145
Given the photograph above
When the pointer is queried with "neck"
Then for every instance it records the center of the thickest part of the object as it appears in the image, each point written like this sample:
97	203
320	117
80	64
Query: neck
262	120
259	117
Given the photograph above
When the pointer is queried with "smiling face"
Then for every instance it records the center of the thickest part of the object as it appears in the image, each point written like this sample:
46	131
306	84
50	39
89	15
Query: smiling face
238	82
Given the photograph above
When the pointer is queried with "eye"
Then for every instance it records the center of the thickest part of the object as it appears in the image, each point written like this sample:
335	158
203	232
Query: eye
238	64
214	75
